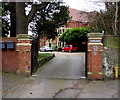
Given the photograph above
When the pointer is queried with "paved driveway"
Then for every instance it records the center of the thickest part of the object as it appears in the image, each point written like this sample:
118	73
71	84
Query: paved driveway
64	65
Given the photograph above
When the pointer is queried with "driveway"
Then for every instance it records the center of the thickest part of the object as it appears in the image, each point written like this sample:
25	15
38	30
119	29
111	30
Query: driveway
64	66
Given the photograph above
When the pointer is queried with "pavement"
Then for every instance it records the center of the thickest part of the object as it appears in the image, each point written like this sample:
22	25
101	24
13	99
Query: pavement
62	77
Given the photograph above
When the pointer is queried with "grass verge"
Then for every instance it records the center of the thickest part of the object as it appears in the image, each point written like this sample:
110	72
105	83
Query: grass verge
43	55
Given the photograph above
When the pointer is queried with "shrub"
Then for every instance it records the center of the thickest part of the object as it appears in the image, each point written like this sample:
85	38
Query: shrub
59	49
74	34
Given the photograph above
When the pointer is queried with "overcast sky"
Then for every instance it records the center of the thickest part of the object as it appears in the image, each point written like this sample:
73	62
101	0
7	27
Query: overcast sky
87	5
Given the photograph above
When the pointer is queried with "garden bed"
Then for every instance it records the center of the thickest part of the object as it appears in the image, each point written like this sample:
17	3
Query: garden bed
44	57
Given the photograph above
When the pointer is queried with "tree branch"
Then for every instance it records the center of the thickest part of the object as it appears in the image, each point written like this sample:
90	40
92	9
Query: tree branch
34	9
116	15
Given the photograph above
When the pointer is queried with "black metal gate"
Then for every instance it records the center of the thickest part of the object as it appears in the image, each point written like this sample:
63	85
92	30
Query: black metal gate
34	55
86	58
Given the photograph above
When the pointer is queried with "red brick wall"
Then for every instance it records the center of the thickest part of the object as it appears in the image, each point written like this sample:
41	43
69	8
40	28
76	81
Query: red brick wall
75	24
70	25
43	41
56	40
9	62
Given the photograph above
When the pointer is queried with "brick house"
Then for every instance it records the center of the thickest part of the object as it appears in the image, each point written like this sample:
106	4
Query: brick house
78	19
48	42
43	41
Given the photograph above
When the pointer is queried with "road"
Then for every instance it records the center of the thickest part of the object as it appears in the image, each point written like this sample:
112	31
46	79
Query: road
63	77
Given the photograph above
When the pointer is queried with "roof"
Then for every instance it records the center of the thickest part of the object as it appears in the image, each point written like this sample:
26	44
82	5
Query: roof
74	14
82	16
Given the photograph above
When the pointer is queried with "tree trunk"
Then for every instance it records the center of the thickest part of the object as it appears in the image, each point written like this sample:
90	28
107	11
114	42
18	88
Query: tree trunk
13	19
21	20
118	23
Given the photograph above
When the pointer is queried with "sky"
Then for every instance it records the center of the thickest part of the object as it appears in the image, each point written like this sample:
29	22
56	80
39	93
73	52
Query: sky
86	5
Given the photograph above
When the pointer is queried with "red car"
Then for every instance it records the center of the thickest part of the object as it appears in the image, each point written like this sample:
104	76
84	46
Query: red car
69	48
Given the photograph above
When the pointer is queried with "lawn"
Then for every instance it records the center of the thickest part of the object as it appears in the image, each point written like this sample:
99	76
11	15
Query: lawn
43	55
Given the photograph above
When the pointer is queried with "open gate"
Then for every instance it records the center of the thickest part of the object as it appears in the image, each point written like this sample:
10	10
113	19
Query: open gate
34	55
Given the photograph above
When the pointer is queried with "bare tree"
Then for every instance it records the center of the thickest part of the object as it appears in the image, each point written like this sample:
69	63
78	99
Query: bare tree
116	15
108	20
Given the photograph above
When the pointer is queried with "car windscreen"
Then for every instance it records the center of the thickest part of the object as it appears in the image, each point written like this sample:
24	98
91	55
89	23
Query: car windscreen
42	47
67	46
